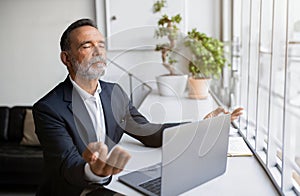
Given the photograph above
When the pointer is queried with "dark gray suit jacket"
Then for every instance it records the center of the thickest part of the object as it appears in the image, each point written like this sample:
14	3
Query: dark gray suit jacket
63	135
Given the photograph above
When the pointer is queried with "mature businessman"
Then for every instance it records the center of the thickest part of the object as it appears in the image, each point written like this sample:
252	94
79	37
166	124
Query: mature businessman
82	118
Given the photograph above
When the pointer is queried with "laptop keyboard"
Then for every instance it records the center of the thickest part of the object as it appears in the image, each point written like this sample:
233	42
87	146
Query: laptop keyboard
152	185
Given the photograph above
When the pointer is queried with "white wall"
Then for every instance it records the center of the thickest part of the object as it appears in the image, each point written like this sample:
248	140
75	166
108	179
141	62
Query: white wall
29	49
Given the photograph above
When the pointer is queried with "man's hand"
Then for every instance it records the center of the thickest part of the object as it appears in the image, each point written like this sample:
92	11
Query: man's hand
234	115
101	165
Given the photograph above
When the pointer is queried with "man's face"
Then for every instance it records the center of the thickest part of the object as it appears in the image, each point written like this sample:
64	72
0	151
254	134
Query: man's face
87	53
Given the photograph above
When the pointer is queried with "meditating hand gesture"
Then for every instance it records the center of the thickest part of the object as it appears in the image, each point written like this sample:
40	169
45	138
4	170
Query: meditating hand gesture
96	155
234	115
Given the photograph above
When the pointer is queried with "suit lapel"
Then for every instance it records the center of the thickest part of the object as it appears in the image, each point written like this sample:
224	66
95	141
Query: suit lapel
110	123
68	89
80	113
82	120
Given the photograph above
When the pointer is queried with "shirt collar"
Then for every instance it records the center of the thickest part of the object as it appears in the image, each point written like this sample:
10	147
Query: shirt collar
83	94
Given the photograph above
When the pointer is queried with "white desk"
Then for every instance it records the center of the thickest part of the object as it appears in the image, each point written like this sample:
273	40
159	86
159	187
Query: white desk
244	175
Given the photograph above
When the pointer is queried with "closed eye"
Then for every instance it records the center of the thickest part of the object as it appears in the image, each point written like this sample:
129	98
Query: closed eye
87	45
101	44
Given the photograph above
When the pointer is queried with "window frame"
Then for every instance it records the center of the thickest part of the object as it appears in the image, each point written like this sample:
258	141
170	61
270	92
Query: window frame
271	145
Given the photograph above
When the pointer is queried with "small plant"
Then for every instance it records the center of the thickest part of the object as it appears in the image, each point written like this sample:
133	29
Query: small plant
207	55
167	27
158	5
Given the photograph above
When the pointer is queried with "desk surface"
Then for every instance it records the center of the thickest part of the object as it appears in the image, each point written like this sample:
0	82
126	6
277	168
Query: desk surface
244	175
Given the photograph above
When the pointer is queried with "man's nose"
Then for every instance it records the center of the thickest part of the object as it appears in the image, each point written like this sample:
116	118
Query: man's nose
97	51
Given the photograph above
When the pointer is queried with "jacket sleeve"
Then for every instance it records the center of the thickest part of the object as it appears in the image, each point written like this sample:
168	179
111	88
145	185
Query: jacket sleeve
61	156
137	126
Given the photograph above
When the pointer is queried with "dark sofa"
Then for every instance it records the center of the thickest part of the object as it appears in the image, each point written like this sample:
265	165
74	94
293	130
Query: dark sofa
19	164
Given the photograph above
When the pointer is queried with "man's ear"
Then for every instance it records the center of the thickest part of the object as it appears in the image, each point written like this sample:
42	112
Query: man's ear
65	58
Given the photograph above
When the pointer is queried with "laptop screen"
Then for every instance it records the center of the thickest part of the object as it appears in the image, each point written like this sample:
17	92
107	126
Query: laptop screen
192	154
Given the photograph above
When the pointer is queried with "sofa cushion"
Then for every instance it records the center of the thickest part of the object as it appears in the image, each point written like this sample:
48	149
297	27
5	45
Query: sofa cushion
29	136
4	117
17	158
16	123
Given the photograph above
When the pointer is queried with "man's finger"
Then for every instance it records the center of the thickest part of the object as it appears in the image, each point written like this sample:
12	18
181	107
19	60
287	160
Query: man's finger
238	110
214	113
95	156
113	157
118	159
111	162
107	170
88	153
103	150
236	116
218	111
99	164
123	159
94	151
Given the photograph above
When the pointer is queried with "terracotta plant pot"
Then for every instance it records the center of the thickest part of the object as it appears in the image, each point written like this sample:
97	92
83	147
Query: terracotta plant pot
198	88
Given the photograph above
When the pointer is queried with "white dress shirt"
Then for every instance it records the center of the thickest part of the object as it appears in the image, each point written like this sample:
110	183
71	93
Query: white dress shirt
94	107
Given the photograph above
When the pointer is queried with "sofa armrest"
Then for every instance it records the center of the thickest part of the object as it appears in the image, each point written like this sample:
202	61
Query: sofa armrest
4	117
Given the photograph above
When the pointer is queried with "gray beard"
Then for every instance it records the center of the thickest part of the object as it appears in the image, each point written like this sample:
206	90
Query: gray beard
89	72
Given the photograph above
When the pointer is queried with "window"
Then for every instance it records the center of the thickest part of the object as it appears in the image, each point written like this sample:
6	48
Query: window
266	53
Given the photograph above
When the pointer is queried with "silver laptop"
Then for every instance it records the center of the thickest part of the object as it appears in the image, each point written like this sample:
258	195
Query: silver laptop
192	154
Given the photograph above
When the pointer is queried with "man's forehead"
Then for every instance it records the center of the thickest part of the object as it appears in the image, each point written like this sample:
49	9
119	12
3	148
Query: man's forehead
86	32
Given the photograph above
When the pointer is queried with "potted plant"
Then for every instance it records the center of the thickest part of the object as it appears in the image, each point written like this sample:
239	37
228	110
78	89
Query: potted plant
206	62
174	83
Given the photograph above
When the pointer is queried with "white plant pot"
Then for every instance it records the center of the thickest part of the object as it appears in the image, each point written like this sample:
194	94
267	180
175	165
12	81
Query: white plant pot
171	85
